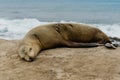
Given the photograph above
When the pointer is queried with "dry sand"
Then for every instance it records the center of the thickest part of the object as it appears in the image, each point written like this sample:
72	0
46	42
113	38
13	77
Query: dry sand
60	64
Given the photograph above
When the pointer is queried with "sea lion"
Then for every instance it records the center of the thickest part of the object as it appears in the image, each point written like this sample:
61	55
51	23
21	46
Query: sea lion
61	34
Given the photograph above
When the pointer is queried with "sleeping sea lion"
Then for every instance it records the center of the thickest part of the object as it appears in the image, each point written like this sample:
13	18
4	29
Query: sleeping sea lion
61	34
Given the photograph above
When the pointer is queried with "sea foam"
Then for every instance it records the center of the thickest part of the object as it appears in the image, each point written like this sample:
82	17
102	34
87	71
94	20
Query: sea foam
17	28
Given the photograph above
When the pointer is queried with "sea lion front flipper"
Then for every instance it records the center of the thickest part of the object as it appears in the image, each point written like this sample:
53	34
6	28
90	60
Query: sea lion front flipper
82	45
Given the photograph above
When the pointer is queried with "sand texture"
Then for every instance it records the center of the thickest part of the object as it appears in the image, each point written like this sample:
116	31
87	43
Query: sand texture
97	63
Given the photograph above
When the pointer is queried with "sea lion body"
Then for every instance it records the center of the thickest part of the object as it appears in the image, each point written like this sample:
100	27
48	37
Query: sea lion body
60	34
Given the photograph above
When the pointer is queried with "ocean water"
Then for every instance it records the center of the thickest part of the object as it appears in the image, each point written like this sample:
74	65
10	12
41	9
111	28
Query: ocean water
17	17
17	28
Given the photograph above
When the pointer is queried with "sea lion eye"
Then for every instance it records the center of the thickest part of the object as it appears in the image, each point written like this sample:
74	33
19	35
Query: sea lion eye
23	50
30	49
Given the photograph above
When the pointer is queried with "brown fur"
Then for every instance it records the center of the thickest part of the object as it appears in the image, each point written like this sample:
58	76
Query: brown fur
60	34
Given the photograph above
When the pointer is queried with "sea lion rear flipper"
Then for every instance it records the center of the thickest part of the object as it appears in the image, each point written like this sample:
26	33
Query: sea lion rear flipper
109	45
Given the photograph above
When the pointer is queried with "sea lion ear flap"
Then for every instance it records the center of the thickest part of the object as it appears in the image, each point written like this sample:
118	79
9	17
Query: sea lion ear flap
22	49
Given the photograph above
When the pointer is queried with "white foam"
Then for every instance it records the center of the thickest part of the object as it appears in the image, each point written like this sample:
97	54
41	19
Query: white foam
17	28
112	30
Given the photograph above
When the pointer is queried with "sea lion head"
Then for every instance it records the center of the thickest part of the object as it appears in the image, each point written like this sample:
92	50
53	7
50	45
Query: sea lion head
27	53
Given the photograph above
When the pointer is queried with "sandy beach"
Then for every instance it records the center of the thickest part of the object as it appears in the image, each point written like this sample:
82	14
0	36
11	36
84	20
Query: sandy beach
18	17
97	63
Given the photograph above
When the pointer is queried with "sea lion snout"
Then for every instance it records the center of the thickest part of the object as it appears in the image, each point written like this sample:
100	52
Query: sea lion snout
29	59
